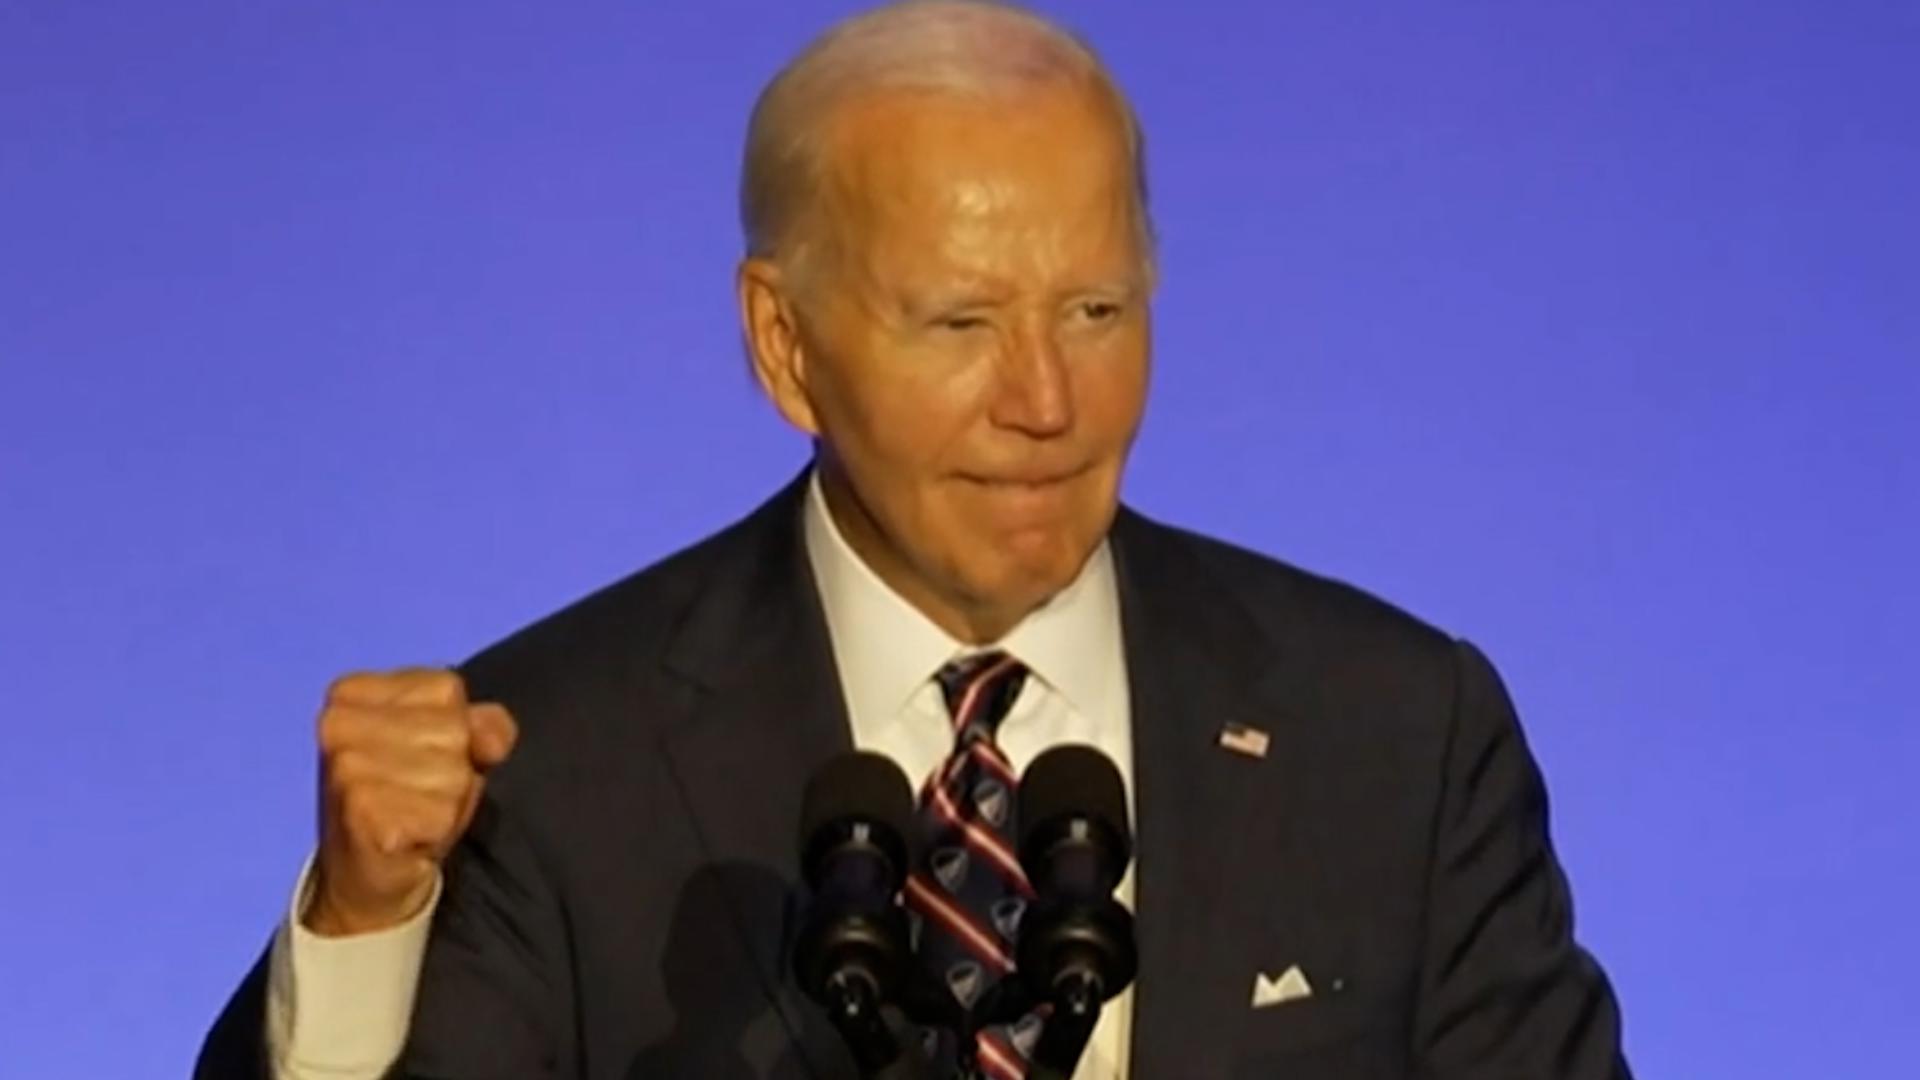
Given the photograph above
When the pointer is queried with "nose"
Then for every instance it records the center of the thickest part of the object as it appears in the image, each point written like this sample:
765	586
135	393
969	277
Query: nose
1035	391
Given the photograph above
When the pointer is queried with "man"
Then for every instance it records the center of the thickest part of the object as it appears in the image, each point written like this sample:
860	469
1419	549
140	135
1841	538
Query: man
574	856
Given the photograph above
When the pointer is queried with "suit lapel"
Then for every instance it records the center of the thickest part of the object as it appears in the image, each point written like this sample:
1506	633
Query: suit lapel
1196	660
766	711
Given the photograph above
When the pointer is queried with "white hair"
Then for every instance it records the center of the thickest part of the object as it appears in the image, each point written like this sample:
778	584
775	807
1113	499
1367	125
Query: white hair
971	48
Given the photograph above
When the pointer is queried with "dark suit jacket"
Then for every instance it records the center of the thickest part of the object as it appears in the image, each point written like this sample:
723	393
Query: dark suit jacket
620	905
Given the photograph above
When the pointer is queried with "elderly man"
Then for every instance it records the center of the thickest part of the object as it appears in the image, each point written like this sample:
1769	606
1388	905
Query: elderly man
573	857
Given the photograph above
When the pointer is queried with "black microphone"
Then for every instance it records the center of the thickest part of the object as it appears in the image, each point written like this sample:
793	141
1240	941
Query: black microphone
852	954
1076	948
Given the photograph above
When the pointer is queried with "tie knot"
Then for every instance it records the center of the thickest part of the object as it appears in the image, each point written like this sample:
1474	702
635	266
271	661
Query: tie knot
980	689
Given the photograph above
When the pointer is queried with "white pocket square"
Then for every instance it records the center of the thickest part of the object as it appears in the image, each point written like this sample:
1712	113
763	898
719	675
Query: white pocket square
1291	985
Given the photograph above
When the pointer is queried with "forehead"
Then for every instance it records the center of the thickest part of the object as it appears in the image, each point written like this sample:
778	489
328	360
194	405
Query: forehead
925	171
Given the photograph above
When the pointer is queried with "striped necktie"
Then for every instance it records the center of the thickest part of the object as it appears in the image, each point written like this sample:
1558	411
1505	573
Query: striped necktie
969	892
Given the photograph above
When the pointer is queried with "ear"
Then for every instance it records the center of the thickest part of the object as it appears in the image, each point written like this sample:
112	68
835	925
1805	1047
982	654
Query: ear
770	320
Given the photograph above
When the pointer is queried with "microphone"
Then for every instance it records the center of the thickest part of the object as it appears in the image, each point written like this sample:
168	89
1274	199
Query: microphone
852	954
1076	948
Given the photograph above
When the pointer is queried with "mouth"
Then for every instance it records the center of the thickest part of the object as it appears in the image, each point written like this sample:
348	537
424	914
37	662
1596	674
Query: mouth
1025	480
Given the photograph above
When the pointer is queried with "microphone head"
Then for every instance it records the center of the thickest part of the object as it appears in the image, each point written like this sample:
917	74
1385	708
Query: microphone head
1074	792
858	797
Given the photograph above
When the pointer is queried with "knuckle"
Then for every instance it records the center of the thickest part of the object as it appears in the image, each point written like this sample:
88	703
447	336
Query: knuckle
446	730
447	780
430	732
438	685
451	683
351	685
335	728
345	769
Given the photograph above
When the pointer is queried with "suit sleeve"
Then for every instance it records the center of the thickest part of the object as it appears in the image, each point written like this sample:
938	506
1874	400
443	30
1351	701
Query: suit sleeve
1506	993
496	994
493	997
236	1046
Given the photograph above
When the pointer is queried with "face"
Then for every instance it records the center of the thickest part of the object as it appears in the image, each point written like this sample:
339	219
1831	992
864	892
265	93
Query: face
968	343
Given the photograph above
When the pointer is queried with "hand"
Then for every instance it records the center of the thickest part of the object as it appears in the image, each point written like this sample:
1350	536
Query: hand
403	760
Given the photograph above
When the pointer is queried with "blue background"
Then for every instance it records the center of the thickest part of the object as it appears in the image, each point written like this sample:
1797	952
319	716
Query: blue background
342	335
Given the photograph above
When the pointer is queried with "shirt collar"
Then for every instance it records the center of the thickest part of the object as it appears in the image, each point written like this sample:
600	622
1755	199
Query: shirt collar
886	649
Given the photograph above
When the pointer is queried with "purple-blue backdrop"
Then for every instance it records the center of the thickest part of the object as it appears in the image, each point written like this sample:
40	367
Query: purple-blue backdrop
350	335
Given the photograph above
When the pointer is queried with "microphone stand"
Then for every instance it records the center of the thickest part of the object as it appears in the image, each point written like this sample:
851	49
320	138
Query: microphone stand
854	1008
1076	1009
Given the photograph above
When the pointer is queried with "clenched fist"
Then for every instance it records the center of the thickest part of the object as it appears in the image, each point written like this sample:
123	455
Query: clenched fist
403	759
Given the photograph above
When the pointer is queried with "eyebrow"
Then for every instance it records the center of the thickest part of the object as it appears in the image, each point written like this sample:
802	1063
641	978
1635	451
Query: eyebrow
1118	285
924	300
921	301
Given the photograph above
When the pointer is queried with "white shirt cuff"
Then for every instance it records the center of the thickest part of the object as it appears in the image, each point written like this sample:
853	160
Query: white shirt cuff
340	1006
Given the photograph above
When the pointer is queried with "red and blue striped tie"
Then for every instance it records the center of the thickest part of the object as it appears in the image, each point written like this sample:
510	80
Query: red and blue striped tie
969	893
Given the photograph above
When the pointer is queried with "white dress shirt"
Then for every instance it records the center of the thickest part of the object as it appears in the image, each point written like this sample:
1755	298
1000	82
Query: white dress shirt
338	1008
887	653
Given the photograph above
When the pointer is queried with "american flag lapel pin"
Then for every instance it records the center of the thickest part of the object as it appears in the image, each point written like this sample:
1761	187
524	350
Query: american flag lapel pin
1241	739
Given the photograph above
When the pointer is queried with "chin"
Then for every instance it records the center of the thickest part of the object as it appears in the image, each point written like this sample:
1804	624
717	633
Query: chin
1023	569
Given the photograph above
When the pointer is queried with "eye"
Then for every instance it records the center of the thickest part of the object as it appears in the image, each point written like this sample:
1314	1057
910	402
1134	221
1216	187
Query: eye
960	323
1098	310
